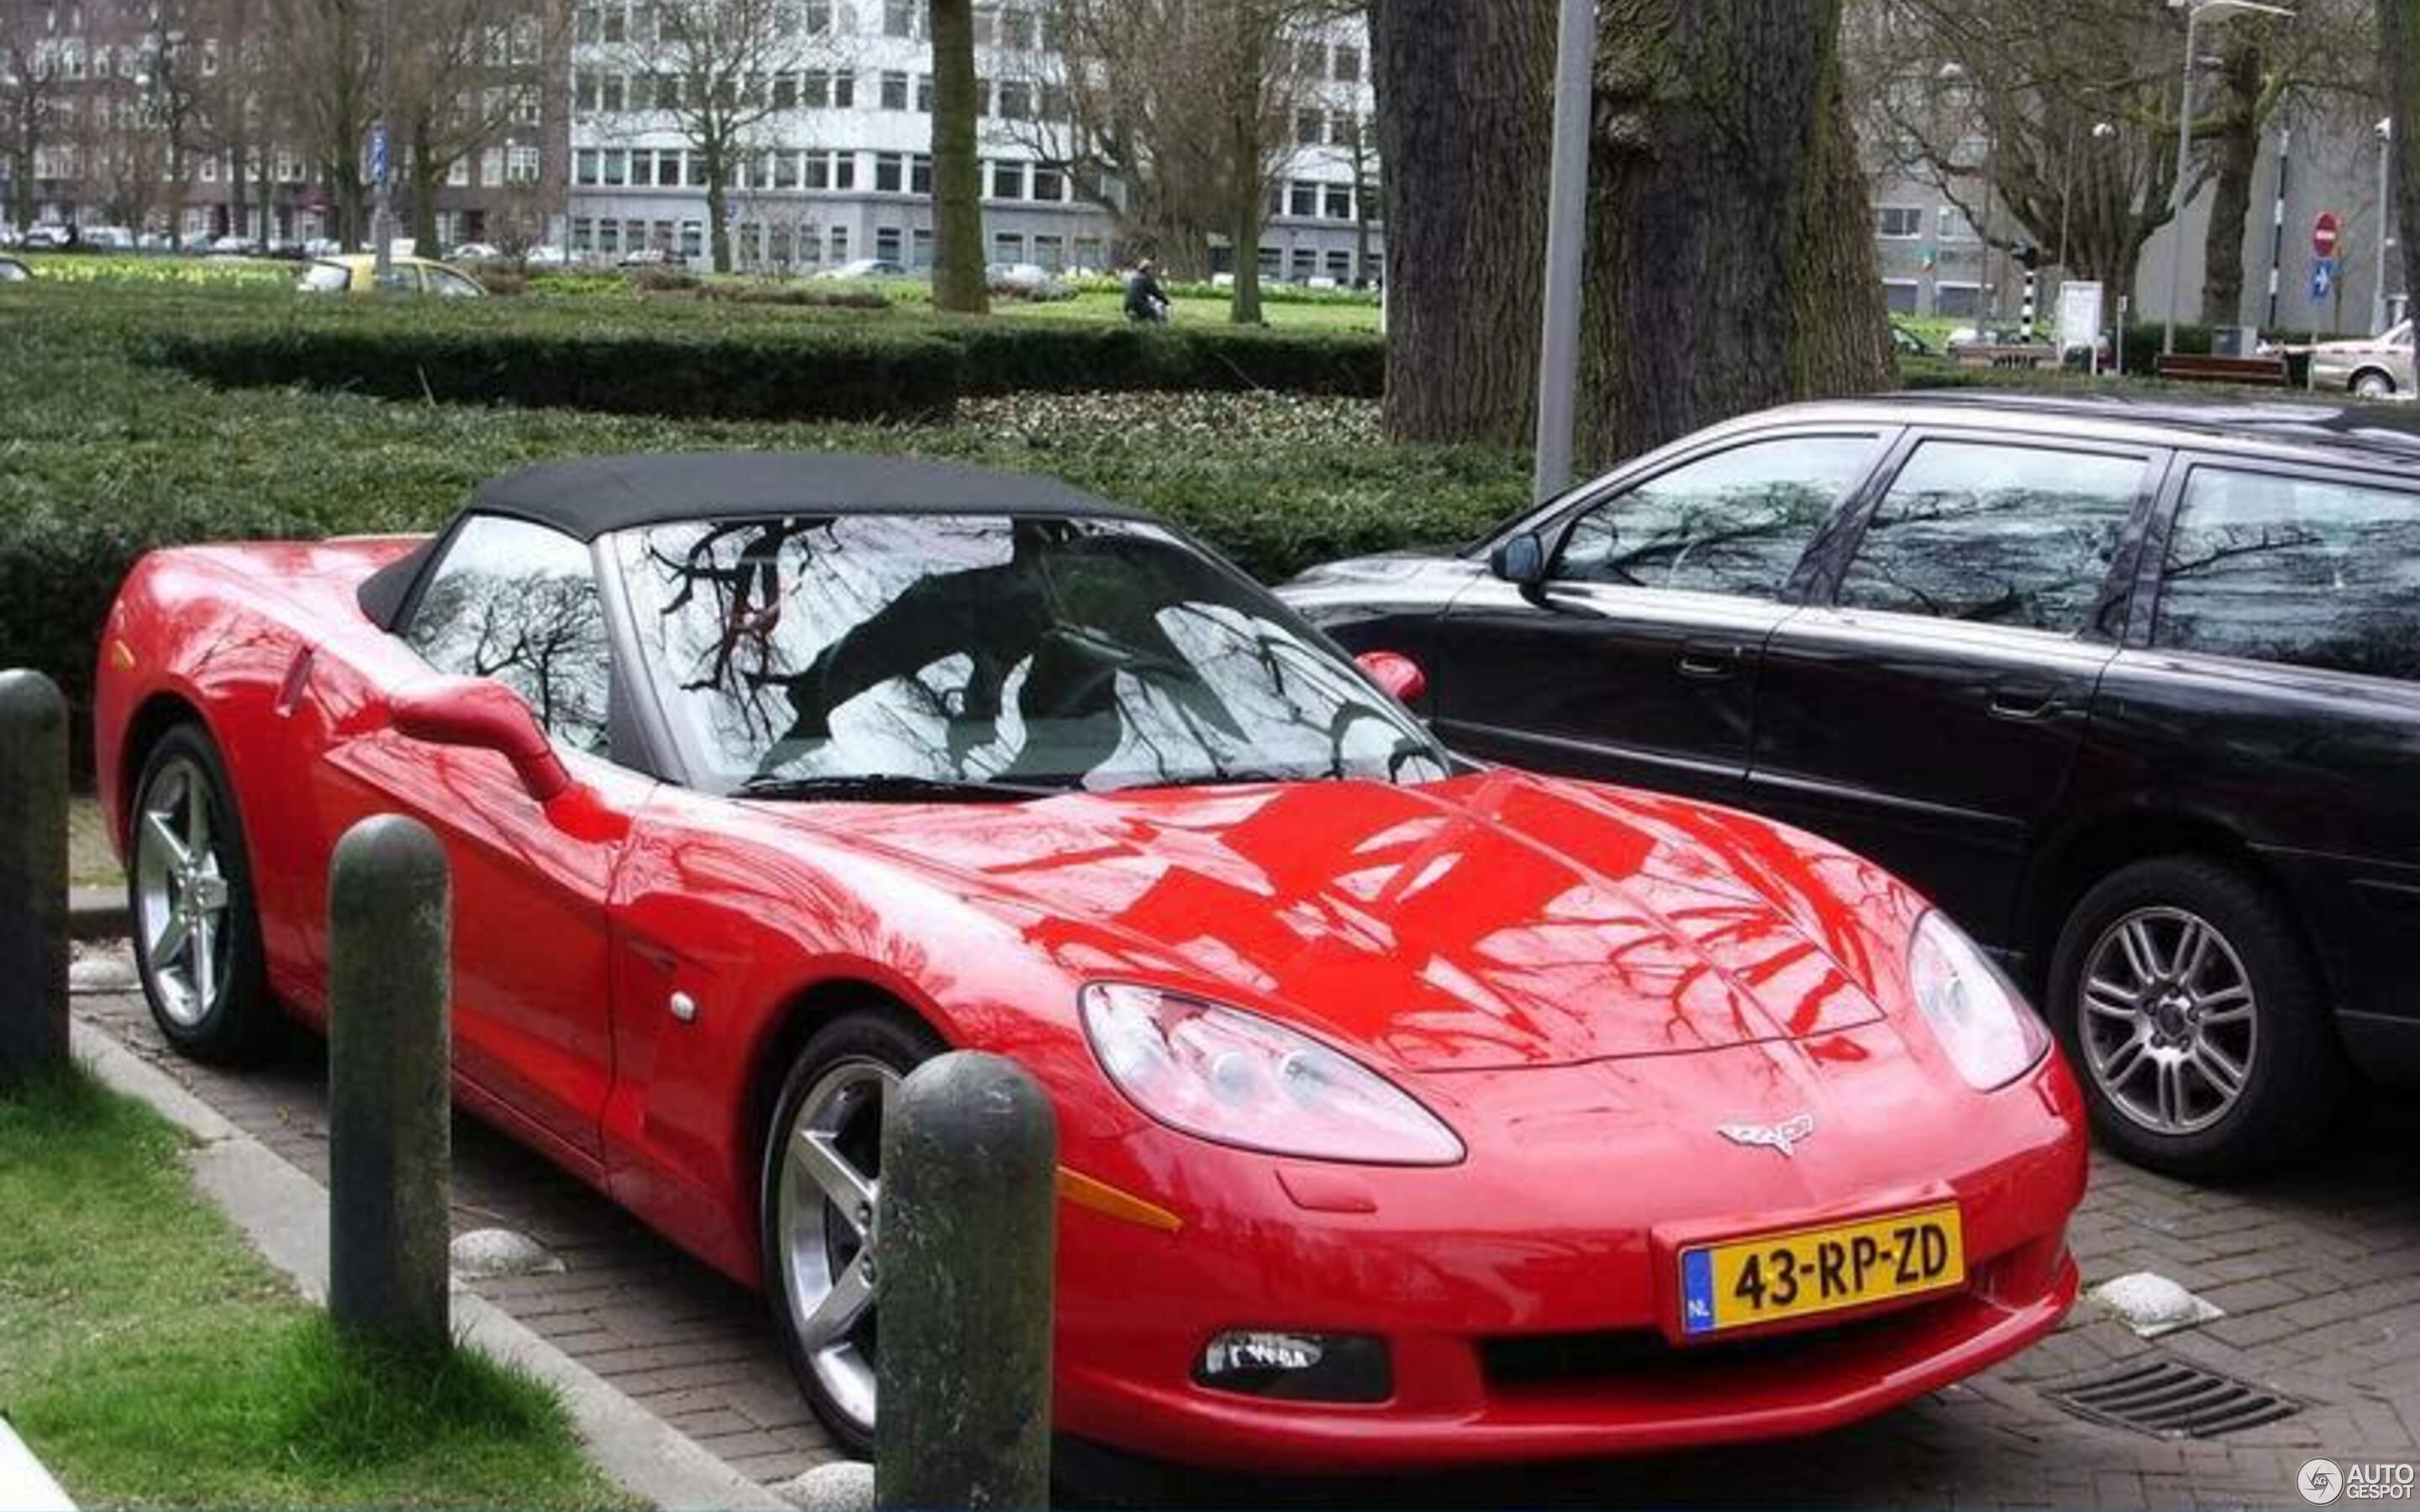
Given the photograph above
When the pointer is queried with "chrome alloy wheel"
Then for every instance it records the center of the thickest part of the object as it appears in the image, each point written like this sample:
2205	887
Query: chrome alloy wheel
2170	1027
181	894
829	1179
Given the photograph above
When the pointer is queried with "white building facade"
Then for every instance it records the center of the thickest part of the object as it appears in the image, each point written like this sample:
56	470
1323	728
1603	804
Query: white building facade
840	169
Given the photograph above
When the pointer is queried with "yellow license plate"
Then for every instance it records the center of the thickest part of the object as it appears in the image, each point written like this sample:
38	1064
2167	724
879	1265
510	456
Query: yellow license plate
1772	1276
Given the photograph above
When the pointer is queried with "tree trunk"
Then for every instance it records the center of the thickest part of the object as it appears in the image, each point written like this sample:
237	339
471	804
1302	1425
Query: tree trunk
2236	147
1465	127
1730	269
267	199
236	197
2398	25
428	175
958	282
1244	309
718	201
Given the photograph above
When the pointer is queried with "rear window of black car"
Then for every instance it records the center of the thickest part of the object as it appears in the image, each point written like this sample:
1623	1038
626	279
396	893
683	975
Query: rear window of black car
2304	571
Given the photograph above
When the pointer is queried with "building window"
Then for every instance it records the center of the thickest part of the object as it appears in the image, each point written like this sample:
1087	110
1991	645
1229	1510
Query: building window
919	248
692	239
1340	265
1349	64
642	169
1017	30
899	18
583	234
1302	199
1304	267
1088	253
617	168
785	170
1050	251
924	93
1337	202
895	91
1015	101
696	170
844	170
1898	222
1272	261
920	173
1954	226
1309	126
815	89
840	243
612	93
889	169
521	165
786	90
1008	181
1050	184
820	17
982	95
1055	102
844	89
1957	300
888	245
1899	295
986	25
1008	247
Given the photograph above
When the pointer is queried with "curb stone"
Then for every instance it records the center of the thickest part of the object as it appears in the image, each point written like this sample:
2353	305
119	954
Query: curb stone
25	1485
97	913
285	1215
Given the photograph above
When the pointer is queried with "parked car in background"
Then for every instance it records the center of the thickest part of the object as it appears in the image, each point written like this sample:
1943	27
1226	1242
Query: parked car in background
865	268
645	257
2375	367
2131	690
356	272
234	245
14	270
322	247
476	252
45	238
547	254
1407	1113
1028	281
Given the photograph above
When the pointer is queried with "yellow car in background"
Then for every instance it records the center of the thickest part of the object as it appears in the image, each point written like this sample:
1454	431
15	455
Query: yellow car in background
356	272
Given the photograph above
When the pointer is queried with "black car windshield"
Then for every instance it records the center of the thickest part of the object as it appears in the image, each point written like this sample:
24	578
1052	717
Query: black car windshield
1029	652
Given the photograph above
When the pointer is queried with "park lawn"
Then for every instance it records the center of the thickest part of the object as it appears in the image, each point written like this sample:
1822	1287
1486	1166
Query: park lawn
1194	309
152	1359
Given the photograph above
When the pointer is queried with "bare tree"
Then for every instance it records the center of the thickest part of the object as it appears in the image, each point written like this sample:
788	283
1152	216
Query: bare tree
333	61
466	70
2399	33
720	73
30	99
1177	117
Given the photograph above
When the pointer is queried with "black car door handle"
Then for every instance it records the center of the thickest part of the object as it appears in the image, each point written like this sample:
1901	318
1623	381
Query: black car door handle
2024	700
1711	658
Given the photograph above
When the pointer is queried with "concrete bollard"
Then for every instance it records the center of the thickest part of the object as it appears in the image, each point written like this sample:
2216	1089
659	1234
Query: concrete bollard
966	1233
33	877
389	1047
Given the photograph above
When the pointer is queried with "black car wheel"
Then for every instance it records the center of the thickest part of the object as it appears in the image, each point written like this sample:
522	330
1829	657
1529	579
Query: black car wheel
190	904
823	1170
2195	1019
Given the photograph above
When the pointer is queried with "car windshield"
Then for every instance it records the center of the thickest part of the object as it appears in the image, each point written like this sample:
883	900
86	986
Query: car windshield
1034	652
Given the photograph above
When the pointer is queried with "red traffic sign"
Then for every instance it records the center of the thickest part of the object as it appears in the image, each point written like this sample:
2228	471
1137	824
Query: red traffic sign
2324	234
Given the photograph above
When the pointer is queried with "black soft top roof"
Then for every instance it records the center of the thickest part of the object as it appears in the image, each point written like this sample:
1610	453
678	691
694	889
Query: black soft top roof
598	495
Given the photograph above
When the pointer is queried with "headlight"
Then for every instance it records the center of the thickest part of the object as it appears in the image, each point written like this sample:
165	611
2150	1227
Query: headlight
1238	1079
1990	1032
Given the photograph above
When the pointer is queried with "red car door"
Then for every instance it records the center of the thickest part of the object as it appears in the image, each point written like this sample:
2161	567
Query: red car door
533	1032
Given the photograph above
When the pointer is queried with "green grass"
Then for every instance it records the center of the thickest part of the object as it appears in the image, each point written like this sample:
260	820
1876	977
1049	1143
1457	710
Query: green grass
152	1359
1200	310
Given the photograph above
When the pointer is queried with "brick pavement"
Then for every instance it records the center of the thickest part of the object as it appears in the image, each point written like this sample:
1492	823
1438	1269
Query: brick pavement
2319	1271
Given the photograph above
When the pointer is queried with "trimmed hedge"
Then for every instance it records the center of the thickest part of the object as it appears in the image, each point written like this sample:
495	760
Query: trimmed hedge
828	376
729	356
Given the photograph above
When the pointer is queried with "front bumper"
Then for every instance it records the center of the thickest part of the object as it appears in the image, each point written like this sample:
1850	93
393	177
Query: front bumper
1524	1297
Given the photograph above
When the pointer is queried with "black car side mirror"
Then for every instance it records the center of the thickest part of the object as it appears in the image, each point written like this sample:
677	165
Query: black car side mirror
1520	559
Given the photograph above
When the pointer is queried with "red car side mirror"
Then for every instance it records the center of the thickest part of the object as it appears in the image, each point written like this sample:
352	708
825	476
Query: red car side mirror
482	714
1395	673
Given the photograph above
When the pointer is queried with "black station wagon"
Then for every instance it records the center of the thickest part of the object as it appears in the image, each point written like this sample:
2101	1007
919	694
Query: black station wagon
2131	690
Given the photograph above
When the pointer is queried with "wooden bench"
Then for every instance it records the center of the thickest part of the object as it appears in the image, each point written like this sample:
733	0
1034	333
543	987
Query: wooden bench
2263	372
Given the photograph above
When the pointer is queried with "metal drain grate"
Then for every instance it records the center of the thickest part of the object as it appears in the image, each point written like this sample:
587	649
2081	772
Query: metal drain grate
2172	1400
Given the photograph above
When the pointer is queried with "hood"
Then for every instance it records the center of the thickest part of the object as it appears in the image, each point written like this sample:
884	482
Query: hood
1491	922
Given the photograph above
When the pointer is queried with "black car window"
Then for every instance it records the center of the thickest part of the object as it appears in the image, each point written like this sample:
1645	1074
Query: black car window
1996	533
519	603
1047	652
1735	522
2312	572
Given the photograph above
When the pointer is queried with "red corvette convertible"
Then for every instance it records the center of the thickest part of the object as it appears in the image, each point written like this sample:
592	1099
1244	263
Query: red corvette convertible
1412	1112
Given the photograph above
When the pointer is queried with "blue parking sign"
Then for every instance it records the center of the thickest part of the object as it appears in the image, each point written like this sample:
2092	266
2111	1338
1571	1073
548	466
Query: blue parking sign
2323	277
378	153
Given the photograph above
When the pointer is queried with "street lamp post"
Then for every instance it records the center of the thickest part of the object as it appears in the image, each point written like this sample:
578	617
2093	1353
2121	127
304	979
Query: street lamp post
2193	10
1558	352
2385	220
